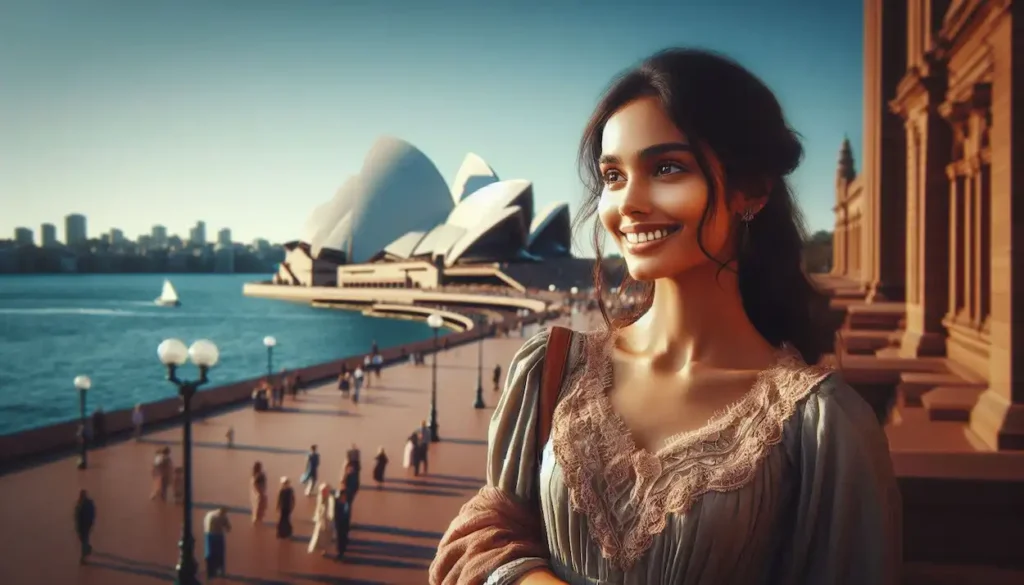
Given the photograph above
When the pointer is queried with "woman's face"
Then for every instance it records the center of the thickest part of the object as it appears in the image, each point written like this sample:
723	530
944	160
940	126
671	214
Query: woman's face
655	195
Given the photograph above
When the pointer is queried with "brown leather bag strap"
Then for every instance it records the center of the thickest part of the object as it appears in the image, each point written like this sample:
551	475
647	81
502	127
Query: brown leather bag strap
555	357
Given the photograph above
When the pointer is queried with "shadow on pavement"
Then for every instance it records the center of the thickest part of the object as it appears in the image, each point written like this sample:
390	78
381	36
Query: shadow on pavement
397	531
237	447
427	483
458	441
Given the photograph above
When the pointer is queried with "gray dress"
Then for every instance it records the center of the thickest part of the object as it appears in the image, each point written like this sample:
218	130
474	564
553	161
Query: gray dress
792	484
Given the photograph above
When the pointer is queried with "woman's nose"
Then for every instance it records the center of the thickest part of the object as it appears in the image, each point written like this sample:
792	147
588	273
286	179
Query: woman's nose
635	198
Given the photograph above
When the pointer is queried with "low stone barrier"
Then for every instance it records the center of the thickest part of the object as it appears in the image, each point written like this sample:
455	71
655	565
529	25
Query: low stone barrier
62	438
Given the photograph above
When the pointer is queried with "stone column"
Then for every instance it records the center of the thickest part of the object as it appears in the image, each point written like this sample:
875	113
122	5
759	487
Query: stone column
998	418
885	147
927	242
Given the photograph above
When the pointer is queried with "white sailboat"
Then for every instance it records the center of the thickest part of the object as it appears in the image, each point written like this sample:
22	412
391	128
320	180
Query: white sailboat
168	296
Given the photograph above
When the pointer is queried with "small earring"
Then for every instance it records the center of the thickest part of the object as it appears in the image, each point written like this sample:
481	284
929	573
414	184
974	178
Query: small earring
748	214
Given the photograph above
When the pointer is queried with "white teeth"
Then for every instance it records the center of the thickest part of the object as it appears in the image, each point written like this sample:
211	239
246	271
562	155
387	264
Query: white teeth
644	237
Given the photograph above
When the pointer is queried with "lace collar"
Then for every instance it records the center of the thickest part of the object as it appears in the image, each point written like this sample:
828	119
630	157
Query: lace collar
626	492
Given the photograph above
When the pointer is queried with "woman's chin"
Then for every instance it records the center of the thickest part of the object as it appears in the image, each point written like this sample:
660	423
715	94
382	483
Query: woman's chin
647	269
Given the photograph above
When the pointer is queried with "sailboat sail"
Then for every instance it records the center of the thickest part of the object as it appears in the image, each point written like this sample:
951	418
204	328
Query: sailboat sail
168	294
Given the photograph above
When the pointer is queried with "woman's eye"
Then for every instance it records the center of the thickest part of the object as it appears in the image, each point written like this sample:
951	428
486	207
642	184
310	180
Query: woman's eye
612	176
668	168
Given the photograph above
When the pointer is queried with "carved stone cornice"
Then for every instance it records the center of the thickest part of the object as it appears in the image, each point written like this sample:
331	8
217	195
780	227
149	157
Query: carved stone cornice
962	14
927	83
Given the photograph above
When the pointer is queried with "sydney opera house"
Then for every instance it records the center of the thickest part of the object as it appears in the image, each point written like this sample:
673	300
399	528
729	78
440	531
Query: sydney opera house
398	223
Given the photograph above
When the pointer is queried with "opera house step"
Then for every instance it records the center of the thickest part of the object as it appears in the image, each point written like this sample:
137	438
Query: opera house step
951	403
914	385
884	316
865	342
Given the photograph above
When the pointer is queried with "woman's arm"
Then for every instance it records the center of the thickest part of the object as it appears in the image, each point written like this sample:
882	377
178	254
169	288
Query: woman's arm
848	517
497	538
540	577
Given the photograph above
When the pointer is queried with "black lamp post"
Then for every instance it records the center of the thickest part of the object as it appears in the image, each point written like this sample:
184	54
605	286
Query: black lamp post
481	322
173	354
435	321
270	342
82	383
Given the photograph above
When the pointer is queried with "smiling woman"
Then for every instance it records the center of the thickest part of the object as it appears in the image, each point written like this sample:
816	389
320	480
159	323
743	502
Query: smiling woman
696	441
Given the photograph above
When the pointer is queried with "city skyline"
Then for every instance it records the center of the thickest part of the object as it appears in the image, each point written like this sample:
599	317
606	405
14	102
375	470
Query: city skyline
46	233
106	105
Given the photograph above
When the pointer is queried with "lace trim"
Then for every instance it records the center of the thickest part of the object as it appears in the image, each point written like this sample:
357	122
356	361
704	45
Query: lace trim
625	492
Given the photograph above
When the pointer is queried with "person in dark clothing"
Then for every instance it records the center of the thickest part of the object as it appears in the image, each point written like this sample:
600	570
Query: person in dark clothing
373	347
312	469
85	517
497	377
380	464
422	448
350	482
285	506
342	520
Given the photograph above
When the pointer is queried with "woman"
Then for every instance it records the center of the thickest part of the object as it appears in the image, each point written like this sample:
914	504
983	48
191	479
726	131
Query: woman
410	457
322	521
285	506
258	492
380	463
691	442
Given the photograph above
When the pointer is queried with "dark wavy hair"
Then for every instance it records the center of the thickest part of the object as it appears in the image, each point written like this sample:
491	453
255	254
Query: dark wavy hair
725	111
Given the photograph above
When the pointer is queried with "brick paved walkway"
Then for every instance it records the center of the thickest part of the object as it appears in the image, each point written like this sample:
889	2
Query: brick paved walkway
395	530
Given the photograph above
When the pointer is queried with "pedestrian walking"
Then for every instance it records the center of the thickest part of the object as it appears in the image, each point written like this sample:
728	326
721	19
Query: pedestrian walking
342	521
309	476
379	465
368	370
322	521
423	450
497	377
350	482
409	459
258	492
377	361
215	526
285	507
138	419
358	377
85	518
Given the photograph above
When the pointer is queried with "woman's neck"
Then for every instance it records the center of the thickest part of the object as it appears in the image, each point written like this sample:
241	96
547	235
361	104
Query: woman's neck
698	317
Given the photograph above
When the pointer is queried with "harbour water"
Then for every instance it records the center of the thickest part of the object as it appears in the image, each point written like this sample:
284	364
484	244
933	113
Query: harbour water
55	327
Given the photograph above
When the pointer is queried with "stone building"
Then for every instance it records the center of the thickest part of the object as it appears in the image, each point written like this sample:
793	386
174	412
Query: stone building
929	236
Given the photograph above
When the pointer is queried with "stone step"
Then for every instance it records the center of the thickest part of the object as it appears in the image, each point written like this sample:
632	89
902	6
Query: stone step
883	316
865	342
951	403
913	385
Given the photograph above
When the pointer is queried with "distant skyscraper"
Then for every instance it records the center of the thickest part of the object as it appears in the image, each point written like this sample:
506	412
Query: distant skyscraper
158	237
48	235
197	235
224	237
144	243
116	237
23	236
74	230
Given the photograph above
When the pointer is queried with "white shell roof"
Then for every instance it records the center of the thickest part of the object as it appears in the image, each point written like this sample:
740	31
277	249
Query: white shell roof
474	173
507	218
398	190
544	218
403	247
493	199
439	240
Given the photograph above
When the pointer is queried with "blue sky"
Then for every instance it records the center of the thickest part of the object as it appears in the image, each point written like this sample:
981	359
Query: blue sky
248	113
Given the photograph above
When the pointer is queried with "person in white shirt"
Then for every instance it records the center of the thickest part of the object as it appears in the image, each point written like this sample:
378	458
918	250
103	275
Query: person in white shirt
216	525
357	377
137	421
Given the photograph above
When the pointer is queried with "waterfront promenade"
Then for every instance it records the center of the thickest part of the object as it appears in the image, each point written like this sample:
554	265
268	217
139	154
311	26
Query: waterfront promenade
395	530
